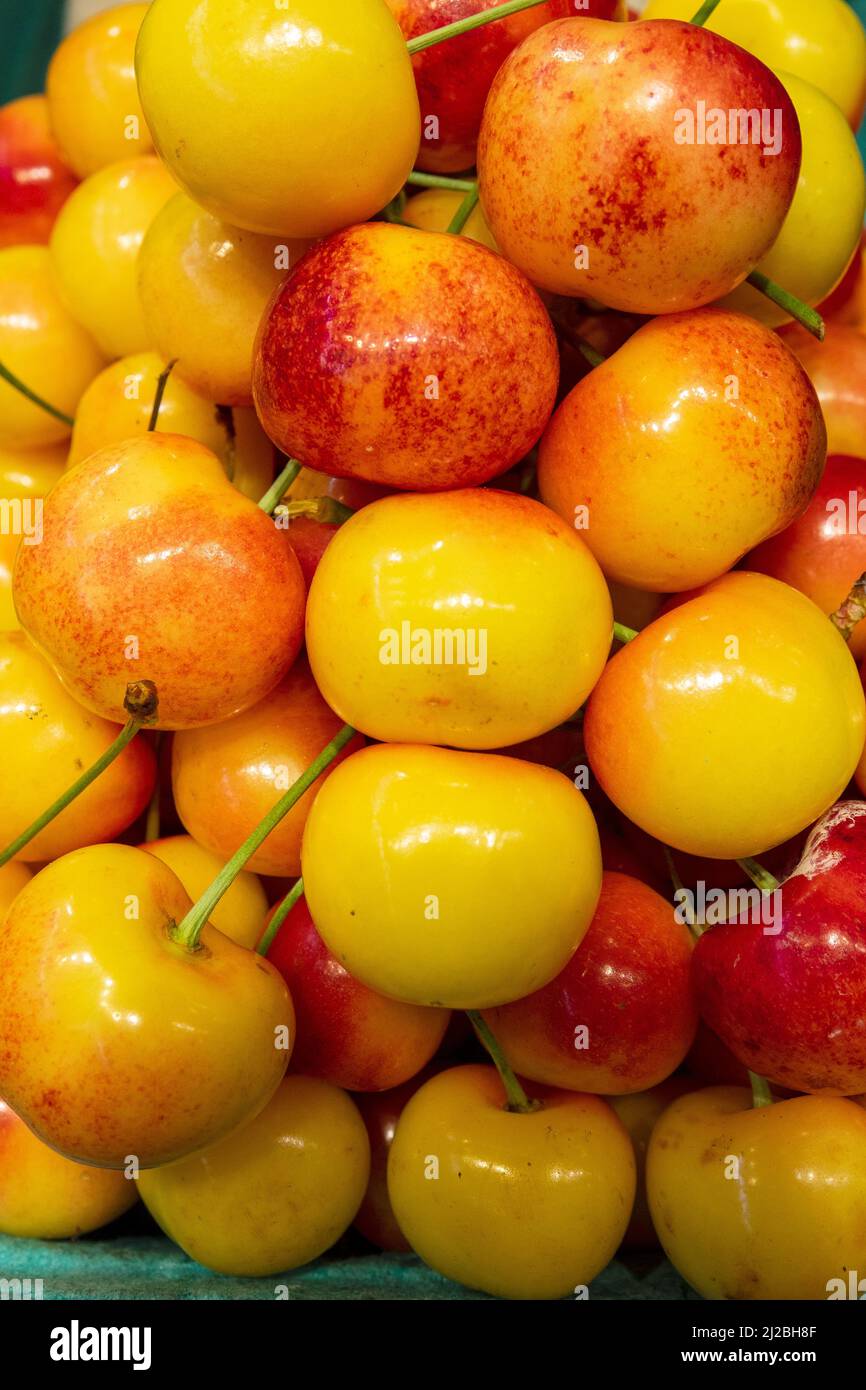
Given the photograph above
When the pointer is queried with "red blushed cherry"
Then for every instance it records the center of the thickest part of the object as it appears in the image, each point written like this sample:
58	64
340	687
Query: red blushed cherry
823	552
788	996
309	540
620	1017
346	1033
34	181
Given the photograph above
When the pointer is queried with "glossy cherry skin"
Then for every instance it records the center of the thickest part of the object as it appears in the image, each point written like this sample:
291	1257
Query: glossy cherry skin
47	739
748	668
24	473
620	1016
713	385
823	552
517	586
253	759
96	116
44	1196
348	1034
790	1003
13	877
148	540
453	78
433	209
428	871
381	357
115	1040
837	369
34	181
565	1173
260	140
587	187
766	1203
273	1195
309	540
196	271
41	344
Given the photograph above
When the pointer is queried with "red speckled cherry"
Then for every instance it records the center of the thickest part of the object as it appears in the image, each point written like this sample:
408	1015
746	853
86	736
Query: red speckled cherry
383	356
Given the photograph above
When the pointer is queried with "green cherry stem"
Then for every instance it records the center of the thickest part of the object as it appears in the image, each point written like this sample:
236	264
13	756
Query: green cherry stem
852	611
623	633
151	824
761	877
464	212
161	383
809	318
280	486
325	509
472	21
761	1093
294	895
141	704
422	180
517	1098
704	12
187	932
696	928
18	384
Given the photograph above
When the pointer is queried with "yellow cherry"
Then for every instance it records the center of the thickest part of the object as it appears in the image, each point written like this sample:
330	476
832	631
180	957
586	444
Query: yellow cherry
433	210
94	246
96	117
43	346
294	119
204	286
13	877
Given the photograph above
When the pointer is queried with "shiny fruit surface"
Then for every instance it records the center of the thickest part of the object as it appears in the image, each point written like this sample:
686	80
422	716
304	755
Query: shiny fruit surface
765	1203
474	618
276	1193
95	113
748	669
115	1040
44	1196
240	914
566	1172
95	244
43	346
170	590
620	1016
34	181
382	357
618	458
596	176
196	272
261	141
450	879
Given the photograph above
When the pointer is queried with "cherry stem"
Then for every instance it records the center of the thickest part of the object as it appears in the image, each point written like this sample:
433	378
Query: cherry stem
324	509
472	21
761	1093
623	633
696	928
280	486
18	384
761	877
809	318
151	824
161	383
422	180
187	932
294	895
141	705
704	12
852	611
464	212
518	1100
